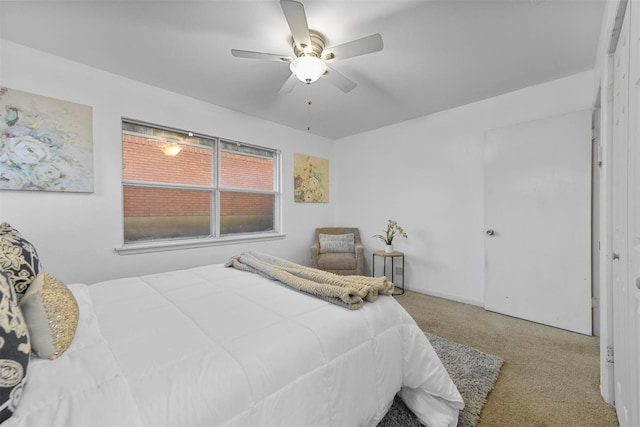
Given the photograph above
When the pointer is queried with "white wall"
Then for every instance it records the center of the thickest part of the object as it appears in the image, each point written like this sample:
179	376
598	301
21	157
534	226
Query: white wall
428	175
75	234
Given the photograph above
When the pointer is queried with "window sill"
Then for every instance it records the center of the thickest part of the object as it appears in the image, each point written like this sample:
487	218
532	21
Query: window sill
172	245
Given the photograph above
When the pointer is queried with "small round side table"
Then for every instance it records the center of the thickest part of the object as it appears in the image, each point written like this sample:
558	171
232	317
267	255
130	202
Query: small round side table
393	255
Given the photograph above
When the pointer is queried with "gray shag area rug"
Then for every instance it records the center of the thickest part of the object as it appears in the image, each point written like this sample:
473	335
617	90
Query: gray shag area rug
472	371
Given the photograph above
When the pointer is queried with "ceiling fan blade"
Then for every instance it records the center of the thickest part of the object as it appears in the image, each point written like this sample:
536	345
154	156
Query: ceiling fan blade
289	84
339	80
260	55
297	20
369	44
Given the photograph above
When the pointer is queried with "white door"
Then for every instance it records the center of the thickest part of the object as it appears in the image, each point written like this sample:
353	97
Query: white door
619	218
626	224
633	279
538	221
633	178
633	284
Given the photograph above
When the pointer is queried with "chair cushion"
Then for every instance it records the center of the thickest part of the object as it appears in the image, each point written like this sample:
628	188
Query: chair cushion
336	243
337	261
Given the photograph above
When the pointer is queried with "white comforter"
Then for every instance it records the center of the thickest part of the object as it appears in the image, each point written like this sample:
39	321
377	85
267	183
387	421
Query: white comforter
215	346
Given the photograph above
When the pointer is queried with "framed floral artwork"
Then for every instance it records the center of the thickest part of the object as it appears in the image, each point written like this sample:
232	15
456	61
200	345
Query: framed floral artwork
46	144
310	179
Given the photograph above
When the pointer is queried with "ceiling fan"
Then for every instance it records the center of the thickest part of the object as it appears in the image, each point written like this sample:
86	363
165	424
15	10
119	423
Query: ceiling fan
312	59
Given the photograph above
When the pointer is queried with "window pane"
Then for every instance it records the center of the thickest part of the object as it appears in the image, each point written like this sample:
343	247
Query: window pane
246	167
158	155
158	213
171	179
246	212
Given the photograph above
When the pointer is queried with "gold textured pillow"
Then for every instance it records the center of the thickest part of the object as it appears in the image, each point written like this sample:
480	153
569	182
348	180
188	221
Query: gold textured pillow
51	313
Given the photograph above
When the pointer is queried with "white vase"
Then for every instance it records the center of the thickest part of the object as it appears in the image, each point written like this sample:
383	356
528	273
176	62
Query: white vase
388	248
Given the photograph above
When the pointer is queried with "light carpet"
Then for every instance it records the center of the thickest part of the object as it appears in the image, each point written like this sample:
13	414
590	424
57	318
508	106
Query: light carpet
472	371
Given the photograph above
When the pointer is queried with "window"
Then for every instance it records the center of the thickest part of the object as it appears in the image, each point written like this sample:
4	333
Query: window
178	185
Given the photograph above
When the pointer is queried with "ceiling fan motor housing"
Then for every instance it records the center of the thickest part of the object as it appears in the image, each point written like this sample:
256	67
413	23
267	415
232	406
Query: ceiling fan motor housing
317	46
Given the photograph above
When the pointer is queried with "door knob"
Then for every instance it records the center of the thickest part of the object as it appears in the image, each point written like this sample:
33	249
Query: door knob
616	256
490	232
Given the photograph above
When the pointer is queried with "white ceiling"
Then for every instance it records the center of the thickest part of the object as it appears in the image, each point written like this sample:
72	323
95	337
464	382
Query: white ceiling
437	54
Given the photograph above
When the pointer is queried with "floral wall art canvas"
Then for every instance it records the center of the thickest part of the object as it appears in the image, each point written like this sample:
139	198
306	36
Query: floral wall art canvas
46	144
310	179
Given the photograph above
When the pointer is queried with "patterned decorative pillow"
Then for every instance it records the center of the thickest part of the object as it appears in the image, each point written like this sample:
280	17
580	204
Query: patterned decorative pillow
336	243
18	258
15	349
51	312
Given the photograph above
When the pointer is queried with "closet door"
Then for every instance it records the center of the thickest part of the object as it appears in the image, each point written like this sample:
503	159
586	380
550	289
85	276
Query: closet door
619	241
626	221
538	221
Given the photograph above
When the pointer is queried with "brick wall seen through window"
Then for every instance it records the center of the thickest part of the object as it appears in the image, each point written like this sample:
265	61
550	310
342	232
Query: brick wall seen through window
168	196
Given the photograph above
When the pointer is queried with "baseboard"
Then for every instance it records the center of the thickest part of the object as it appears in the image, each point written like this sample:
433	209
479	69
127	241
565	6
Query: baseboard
457	298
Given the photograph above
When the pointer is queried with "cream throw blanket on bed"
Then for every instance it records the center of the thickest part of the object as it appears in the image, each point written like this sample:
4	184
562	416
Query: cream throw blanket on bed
347	291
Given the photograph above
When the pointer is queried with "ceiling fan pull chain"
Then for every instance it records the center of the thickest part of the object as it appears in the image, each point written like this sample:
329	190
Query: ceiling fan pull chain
308	107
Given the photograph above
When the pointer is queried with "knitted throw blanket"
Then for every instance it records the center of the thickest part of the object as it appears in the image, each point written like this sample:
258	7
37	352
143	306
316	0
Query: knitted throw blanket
347	291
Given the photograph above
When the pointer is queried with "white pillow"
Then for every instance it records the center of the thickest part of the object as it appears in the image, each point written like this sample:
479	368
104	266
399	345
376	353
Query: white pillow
85	386
330	243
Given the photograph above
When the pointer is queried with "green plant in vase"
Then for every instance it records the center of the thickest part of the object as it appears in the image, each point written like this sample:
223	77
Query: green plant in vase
393	230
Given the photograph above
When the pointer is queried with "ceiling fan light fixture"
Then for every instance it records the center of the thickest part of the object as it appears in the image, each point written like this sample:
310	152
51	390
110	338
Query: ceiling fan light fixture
308	69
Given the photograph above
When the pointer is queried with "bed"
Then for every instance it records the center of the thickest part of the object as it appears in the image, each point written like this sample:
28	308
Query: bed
213	346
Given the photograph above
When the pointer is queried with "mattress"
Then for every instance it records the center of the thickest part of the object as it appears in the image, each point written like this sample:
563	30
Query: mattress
214	346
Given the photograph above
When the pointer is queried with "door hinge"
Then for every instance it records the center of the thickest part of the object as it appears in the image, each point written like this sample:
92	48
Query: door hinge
610	354
595	302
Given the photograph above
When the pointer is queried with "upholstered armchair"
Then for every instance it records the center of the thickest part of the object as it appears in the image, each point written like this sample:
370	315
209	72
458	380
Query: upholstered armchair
338	250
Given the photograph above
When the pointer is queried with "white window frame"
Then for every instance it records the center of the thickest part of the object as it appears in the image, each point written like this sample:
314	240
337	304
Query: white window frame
214	238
